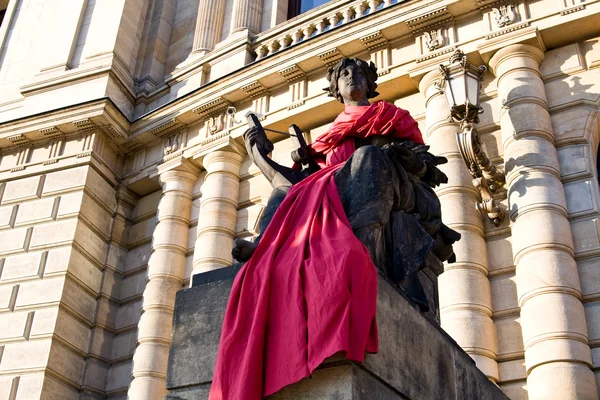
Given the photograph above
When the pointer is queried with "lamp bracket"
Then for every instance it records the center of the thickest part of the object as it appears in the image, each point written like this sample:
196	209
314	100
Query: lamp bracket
486	177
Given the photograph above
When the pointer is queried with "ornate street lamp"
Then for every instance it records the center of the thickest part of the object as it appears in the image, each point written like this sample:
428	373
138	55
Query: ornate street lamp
460	81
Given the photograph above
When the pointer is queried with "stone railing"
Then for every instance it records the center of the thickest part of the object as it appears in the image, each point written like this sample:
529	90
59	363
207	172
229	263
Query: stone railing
321	20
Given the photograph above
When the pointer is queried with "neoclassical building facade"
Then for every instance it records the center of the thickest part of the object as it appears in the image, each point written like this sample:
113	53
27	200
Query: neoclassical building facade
123	172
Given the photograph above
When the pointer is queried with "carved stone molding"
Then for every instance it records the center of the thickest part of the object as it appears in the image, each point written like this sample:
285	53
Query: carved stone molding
486	4
429	20
52	133
331	57
133	145
19	140
292	74
254	89
168	128
374	41
507	30
84	125
209	108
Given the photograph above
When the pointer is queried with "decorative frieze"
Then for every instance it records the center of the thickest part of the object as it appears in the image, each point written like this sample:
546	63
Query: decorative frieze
132	145
173	144
168	128
331	57
436	54
429	20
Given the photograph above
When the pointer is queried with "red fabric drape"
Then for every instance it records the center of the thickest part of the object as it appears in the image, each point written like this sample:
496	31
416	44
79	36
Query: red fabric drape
310	289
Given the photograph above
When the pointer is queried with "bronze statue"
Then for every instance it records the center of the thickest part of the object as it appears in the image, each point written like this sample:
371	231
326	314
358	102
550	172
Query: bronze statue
385	185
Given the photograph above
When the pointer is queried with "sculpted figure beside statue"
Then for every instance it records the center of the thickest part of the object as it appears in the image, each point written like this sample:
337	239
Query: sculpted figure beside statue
358	200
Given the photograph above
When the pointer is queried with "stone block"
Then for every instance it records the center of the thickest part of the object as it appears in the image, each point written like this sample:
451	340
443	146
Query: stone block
504	293
24	266
53	234
512	370
137	257
70	204
101	189
581	197
40	292
123	346
66	363
133	285
14	240
25	355
8	296
96	215
141	232
128	314
90	242
96	372
55	390
15	326
500	255
107	312
101	343
248	218
23	189
31	386
510	336
585	235
42	210
589	276
7	216
119	376
73	331
44	322
440	371
79	300
573	160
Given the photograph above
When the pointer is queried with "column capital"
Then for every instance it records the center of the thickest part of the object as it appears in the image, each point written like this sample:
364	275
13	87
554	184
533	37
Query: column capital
516	51
178	168
427	81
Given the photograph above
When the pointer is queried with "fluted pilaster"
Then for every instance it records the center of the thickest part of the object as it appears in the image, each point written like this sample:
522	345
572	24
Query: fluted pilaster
165	277
246	15
209	25
557	353
464	288
218	211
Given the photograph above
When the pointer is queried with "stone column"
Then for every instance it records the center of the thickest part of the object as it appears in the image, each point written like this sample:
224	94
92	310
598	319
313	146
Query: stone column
246	15
165	277
218	211
557	353
208	25
464	288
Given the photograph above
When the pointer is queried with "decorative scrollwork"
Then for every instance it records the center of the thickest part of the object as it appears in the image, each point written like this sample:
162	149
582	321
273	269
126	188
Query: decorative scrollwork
486	177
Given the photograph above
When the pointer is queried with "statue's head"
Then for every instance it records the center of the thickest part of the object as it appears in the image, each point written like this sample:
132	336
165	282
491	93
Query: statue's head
352	80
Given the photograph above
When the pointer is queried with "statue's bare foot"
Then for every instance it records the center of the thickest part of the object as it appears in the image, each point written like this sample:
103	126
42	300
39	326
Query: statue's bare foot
243	250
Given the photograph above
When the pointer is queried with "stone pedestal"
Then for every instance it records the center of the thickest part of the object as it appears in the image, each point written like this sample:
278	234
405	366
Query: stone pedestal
416	359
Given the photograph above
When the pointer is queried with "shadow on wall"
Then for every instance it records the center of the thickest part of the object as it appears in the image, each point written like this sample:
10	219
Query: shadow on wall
572	88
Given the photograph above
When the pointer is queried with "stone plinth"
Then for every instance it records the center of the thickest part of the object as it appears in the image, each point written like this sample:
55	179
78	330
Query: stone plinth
416	359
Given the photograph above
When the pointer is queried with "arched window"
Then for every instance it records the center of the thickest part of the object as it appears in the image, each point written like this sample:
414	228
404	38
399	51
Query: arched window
297	7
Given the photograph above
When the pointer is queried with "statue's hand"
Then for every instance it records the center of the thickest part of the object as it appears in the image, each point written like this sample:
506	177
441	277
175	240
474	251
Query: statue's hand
255	136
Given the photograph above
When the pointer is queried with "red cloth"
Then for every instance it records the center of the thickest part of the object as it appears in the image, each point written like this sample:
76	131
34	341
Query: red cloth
310	289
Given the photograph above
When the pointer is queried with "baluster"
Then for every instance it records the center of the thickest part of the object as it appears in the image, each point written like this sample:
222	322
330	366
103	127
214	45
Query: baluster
347	15
297	36
373	4
308	31
359	9
321	25
284	42
333	20
261	52
273	46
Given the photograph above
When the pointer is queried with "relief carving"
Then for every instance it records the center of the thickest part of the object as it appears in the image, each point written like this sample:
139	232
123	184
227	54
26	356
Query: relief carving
504	15
172	144
434	39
